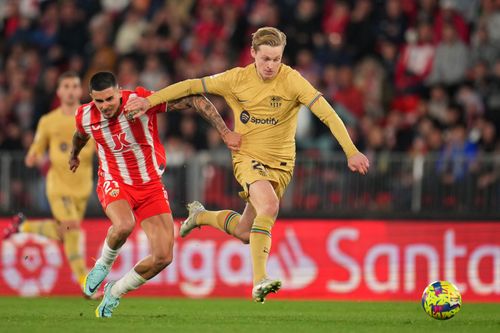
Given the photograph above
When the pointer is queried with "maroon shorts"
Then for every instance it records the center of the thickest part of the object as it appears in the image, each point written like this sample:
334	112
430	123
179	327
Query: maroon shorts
145	200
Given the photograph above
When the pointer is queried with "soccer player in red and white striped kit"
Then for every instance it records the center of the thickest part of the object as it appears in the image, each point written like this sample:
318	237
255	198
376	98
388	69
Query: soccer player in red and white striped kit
131	162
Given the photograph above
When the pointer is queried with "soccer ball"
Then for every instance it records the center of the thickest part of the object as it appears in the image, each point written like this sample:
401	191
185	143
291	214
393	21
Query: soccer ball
441	300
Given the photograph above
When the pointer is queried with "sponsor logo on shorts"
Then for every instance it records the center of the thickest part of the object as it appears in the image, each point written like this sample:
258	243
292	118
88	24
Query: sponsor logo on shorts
114	193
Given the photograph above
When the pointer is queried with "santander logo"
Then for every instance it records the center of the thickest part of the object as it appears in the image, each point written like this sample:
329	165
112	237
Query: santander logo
479	267
291	264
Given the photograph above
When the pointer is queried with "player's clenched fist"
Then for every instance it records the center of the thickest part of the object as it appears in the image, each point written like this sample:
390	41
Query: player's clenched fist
136	107
232	140
74	163
358	163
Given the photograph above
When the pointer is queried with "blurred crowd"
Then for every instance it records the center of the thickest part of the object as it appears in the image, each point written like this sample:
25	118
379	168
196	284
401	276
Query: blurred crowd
407	76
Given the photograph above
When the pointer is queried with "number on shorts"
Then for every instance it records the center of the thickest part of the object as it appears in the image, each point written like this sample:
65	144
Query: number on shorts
261	169
110	185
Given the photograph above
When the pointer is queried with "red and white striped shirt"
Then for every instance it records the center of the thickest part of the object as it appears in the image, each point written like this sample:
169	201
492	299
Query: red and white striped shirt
128	151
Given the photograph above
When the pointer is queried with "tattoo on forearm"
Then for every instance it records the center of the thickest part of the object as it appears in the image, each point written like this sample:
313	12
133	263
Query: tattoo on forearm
204	107
208	111
78	143
180	104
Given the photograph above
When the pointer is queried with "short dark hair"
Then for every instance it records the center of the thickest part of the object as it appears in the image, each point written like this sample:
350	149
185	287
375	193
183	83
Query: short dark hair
67	75
102	80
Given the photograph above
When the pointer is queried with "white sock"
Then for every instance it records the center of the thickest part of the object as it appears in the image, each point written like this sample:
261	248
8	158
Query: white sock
130	281
108	255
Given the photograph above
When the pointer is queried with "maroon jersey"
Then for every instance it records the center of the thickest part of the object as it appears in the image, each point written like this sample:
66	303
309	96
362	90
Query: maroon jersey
129	151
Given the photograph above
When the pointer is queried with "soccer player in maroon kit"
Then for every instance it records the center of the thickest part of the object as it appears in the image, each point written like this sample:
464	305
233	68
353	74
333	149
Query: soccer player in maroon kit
131	162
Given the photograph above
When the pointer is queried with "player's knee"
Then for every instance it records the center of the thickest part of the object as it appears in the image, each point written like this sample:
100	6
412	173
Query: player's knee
270	208
123	230
160	262
244	237
69	226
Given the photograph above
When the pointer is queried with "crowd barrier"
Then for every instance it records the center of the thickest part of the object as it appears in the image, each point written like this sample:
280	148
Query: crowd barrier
397	186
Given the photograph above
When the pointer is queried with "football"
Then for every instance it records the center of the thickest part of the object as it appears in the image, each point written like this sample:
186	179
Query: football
441	300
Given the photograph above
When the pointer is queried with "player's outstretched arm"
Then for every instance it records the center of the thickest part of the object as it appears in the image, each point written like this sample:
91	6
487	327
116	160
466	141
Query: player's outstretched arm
137	106
356	161
79	141
209	112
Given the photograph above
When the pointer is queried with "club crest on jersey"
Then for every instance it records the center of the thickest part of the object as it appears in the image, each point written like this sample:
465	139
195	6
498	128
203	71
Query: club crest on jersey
275	101
63	146
120	141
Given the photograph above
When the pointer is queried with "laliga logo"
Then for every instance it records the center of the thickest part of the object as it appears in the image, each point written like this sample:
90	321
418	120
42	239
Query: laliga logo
290	263
30	264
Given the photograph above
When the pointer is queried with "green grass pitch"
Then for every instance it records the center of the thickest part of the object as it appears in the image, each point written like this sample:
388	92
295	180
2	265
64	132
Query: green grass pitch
138	315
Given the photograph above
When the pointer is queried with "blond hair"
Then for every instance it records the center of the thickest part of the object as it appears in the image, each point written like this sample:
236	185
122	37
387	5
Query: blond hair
268	36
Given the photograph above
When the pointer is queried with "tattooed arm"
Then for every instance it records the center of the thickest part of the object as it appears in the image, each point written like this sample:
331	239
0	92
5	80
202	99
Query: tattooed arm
208	111
79	141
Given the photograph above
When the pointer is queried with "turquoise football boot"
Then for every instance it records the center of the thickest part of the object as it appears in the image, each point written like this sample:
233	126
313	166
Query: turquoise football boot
94	279
108	303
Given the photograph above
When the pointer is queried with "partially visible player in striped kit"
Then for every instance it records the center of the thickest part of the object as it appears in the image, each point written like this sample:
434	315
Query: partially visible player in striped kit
131	163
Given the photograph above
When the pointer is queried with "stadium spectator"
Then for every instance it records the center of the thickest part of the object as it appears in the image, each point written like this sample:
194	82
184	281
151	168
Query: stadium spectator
348	94
482	49
393	23
451	60
360	33
449	16
415	61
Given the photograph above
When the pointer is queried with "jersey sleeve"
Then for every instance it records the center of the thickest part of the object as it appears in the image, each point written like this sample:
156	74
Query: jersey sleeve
314	100
323	110
305	92
78	122
219	84
159	108
41	141
176	91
